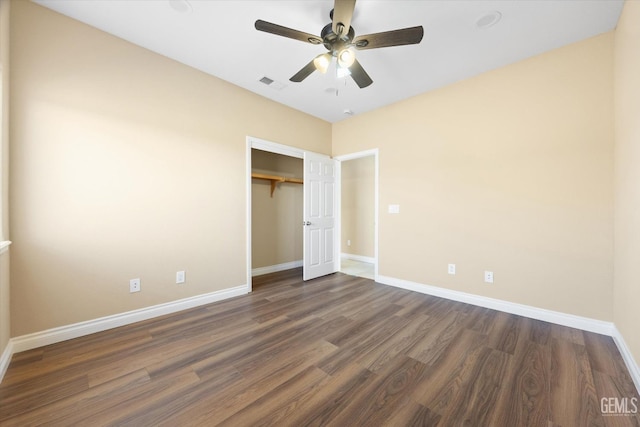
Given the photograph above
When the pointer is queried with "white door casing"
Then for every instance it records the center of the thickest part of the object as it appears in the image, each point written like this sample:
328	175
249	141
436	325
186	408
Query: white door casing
320	216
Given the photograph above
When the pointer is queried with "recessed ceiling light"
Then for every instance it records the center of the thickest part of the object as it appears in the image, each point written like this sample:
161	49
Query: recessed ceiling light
488	19
181	6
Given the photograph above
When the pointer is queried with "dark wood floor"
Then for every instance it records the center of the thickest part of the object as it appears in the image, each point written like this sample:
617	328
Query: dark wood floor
339	351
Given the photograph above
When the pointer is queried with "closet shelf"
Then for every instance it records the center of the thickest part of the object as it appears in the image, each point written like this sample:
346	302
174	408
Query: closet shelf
275	179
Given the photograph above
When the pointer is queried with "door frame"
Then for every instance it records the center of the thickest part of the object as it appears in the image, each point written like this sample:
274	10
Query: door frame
343	158
286	150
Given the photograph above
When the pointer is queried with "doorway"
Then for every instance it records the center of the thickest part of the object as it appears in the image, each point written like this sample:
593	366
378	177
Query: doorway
359	214
321	183
277	205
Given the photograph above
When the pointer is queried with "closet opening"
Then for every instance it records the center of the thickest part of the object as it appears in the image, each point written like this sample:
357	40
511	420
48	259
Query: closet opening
276	213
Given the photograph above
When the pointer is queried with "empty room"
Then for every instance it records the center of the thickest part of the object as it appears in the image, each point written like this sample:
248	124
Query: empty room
320	212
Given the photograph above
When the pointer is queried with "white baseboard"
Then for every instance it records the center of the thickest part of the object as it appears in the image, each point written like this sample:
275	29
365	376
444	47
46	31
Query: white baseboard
578	322
634	370
5	359
274	268
63	333
360	258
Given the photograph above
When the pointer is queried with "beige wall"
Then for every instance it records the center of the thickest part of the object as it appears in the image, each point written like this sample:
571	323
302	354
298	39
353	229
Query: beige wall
276	235
357	205
627	177
125	164
5	317
510	171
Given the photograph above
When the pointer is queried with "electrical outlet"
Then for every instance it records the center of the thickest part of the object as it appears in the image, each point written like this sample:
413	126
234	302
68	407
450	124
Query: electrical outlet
451	269
488	276
180	277
134	285
348	242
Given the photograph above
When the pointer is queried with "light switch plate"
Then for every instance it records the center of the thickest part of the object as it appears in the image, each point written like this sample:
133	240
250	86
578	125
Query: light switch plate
394	209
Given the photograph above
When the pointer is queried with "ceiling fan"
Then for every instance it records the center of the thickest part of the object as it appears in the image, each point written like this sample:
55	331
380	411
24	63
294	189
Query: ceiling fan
340	40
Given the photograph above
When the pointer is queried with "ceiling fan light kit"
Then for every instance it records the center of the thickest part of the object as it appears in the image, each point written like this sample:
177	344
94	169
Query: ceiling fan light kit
322	61
346	57
339	38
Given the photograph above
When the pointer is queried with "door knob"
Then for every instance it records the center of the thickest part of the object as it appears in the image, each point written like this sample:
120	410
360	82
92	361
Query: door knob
306	223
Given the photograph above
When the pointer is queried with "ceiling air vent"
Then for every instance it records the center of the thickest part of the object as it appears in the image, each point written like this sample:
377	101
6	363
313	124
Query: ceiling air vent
272	83
266	80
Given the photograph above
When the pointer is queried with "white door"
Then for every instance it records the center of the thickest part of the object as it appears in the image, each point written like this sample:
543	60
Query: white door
320	233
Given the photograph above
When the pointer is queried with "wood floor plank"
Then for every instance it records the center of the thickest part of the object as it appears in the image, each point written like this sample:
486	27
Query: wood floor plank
72	409
434	342
474	402
225	403
361	344
443	380
410	413
399	343
524	396
503	334
615	393
571	375
333	397
337	350
27	397
273	409
163	398
380	398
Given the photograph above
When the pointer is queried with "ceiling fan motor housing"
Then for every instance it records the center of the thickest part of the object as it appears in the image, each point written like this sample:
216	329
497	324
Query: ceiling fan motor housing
333	42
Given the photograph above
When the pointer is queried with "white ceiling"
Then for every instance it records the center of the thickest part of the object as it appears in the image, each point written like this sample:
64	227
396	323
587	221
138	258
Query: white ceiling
219	38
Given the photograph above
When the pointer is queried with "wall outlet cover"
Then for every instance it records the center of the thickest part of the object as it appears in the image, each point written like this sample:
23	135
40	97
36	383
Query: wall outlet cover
134	285
488	276
180	277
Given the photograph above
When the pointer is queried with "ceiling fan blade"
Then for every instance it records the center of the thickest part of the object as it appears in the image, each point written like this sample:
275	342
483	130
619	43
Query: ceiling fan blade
359	75
342	14
279	30
304	72
412	35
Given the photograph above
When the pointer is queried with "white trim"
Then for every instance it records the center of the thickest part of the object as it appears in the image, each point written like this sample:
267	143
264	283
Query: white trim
274	147
4	245
573	321
5	359
248	215
337	248
376	158
361	258
63	333
625	352
277	267
358	155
